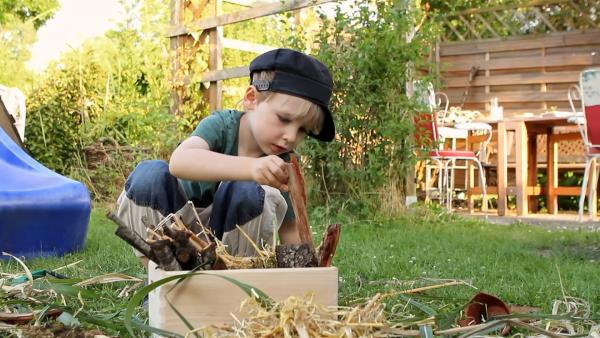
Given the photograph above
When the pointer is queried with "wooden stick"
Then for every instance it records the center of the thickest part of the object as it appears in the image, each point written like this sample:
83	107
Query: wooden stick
197	241
179	222
329	245
153	234
298	199
185	253
132	238
166	259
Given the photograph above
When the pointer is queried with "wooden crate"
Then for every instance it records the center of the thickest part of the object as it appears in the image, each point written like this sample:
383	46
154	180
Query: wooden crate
205	300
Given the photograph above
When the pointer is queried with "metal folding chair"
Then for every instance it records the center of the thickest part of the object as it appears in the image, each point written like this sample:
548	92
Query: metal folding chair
445	158
588	93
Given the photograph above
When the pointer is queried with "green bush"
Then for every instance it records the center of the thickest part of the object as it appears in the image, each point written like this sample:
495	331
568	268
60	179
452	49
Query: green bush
371	62
109	98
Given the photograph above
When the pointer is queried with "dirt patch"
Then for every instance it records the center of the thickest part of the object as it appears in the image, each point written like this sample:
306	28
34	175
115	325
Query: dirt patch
55	330
583	252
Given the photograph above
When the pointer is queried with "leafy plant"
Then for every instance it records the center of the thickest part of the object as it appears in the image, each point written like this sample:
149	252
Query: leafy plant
372	60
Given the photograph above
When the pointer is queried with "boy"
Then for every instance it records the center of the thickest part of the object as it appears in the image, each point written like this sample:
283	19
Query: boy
233	166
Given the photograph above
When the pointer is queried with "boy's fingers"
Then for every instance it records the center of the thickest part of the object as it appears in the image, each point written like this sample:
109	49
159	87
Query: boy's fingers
272	180
280	172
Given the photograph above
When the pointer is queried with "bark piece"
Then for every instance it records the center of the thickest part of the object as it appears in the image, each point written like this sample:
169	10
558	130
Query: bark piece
24	318
329	245
164	254
298	199
296	256
185	252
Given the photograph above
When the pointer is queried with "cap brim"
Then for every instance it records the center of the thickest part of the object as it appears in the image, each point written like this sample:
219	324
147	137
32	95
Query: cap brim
327	133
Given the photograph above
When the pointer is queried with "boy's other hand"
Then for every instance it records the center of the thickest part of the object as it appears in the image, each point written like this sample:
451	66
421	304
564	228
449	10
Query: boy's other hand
271	170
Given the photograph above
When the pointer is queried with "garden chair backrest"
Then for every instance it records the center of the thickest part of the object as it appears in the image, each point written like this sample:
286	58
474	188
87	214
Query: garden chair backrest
428	123
589	83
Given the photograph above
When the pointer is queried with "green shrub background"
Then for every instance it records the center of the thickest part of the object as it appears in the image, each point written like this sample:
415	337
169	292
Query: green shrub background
103	107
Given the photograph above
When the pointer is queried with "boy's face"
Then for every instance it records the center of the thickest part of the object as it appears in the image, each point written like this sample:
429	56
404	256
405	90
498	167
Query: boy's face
278	124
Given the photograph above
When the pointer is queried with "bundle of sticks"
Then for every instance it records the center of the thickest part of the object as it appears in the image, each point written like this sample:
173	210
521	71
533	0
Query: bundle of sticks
174	245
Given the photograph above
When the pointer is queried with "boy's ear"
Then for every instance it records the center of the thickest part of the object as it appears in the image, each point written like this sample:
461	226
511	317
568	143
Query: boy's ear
250	98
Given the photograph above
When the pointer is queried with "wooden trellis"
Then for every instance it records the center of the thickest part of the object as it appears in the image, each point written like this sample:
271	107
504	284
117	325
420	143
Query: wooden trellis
548	16
210	30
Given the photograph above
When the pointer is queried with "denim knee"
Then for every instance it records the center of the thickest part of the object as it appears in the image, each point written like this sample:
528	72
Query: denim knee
151	184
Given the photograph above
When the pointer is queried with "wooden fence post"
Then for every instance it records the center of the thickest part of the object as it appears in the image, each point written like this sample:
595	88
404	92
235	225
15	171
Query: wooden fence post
177	43
215	59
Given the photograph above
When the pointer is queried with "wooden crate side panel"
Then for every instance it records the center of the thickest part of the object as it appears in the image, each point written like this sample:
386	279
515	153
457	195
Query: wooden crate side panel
205	300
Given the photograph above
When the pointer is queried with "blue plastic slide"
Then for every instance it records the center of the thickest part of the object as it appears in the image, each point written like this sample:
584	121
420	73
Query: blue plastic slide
41	212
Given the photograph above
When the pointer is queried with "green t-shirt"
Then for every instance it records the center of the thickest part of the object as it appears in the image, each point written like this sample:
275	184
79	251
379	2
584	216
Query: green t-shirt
221	130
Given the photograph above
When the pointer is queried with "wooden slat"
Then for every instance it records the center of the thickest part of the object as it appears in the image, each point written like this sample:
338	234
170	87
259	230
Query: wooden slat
470	27
458	35
487	25
526	62
247	3
252	13
215	59
513	6
507	26
496	45
246	46
527	191
225	74
541	15
509	79
583	14
177	44
568	191
513	97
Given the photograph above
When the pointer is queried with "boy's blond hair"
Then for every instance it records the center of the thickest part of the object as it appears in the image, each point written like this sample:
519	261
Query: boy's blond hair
311	112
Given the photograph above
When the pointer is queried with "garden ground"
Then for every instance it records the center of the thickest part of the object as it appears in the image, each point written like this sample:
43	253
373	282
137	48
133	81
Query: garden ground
520	263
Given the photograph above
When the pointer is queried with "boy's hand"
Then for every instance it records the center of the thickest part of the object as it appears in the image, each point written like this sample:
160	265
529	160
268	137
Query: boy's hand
271	170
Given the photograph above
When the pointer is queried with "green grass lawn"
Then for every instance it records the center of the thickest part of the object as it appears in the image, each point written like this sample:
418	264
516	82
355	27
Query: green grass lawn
519	263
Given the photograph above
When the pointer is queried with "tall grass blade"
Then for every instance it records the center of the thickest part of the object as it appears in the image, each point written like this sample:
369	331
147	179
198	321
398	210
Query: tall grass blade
64	289
426	309
183	319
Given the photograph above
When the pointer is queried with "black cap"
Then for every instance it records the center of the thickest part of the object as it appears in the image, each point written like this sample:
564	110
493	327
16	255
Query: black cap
300	75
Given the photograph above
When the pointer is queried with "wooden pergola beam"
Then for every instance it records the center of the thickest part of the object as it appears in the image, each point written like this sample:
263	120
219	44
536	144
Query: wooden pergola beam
249	14
246	46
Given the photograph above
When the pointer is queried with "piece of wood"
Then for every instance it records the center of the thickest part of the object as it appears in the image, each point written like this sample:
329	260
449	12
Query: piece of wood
215	59
521	167
246	46
164	255
532	170
185	253
207	299
512	96
552	172
132	238
577	38
24	318
580	59
298	198
252	13
502	166
511	79
329	245
296	256
223	74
